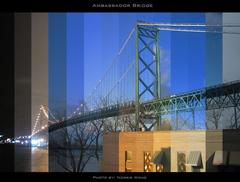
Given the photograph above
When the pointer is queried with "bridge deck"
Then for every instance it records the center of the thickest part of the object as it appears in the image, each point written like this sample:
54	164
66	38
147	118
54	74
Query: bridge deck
200	99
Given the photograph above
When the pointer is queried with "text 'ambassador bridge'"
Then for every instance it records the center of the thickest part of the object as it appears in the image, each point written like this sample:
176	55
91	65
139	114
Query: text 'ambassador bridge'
130	90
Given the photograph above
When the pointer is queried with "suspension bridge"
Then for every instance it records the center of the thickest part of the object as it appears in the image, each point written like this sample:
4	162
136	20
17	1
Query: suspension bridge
132	85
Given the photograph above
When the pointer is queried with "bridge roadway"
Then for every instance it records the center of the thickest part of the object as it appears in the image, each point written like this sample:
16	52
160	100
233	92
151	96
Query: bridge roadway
224	95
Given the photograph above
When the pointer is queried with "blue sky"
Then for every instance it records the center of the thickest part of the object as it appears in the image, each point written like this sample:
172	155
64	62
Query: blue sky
75	58
104	33
94	39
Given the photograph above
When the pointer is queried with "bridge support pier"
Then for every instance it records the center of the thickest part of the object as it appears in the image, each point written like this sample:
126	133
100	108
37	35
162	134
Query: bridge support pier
159	121
176	116
235	117
194	122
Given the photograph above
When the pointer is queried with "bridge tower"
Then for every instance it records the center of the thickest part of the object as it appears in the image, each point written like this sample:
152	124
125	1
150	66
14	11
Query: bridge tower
147	70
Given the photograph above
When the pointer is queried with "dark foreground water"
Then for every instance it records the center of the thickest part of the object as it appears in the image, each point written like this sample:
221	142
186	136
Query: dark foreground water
15	158
32	159
6	157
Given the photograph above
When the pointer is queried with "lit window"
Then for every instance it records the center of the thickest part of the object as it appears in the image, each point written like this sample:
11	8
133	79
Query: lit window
159	167
128	161
147	162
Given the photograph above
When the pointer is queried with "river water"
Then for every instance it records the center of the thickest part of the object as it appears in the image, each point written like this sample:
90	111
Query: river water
33	159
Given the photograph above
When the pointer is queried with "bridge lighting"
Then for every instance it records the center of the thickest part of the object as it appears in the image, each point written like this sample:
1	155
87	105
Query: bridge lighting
17	141
34	142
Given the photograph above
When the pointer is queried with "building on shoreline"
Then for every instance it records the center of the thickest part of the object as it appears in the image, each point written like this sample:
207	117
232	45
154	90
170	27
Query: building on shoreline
172	151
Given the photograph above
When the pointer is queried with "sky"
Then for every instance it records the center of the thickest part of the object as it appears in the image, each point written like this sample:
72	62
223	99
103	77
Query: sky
88	42
80	46
103	34
94	39
83	45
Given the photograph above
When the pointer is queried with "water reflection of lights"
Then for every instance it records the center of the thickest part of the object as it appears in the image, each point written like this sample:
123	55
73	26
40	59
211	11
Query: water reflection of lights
38	142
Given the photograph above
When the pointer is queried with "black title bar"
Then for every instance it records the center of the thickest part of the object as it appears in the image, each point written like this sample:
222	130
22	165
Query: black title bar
119	6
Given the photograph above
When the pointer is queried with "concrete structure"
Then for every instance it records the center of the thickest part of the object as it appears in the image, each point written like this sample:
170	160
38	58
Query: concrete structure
172	151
